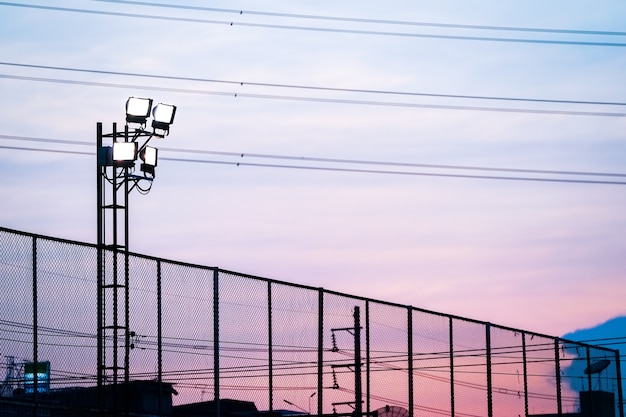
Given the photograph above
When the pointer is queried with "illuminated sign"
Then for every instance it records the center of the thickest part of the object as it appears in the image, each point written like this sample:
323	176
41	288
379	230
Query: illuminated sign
40	371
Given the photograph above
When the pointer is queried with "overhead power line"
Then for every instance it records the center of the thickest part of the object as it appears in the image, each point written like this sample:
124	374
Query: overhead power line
59	337
23	148
363	20
396	164
408	173
336	160
309	87
317	29
240	155
317	99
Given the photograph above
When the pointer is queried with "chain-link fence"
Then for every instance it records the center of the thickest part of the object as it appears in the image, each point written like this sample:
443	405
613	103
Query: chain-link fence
71	320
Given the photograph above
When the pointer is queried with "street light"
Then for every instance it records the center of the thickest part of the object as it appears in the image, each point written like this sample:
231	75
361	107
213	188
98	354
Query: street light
117	177
311	396
297	406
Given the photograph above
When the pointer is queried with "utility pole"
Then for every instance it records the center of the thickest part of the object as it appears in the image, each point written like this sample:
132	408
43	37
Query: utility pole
358	389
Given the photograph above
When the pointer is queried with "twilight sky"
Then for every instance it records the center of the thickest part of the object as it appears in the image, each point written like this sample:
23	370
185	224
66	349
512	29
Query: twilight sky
407	86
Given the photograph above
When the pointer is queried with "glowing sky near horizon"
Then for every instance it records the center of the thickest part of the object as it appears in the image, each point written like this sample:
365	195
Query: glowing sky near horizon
543	256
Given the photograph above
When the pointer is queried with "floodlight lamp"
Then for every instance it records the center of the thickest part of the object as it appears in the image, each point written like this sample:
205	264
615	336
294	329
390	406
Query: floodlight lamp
124	153
163	115
149	156
138	110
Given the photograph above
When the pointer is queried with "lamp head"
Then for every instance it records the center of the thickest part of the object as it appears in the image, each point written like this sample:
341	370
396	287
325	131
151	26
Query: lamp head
124	153
163	116
149	155
138	110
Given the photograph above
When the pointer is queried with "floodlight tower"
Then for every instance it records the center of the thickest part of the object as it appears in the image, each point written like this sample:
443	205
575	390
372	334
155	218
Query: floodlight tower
116	178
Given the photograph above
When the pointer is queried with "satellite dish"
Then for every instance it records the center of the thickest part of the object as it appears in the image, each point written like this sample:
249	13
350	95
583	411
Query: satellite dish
392	411
597	367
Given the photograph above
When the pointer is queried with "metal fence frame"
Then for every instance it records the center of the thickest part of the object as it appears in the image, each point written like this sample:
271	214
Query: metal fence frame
396	355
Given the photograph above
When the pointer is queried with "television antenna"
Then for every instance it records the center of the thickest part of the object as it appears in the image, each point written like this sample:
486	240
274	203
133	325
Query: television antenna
596	368
392	411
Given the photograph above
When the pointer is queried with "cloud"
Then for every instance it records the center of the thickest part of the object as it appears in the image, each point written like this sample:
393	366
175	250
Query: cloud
501	251
608	334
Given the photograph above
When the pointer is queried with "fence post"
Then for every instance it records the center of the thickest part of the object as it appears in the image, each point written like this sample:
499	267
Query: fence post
35	325
557	370
410	355
525	366
320	348
159	336
451	337
620	396
489	382
358	392
216	342
269	345
367	356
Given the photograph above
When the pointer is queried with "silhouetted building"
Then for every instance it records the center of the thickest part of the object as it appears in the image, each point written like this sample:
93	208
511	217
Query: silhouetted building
228	408
592	404
146	398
